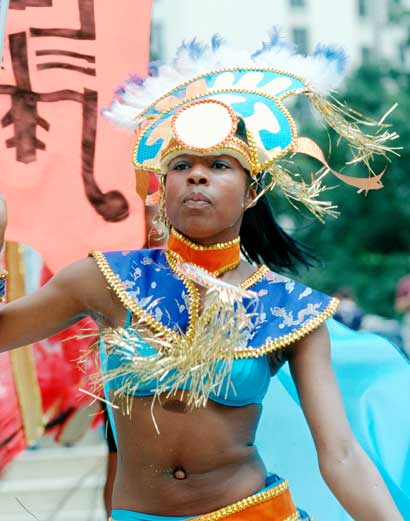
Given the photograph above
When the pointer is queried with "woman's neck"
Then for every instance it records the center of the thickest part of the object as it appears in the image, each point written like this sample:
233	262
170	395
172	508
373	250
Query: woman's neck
216	258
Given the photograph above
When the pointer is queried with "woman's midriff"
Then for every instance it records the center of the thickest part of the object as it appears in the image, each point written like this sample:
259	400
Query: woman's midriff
201	459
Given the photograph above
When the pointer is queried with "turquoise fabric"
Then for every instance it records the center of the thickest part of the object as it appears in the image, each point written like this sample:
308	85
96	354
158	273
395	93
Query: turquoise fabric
284	306
374	378
248	382
272	480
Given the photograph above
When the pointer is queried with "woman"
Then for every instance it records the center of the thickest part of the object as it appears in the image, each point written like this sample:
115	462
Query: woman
186	369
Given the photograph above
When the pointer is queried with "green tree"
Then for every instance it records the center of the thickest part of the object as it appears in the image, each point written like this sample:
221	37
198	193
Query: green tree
368	246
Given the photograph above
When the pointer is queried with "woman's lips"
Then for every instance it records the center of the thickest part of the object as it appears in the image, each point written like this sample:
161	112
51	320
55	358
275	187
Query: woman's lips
196	200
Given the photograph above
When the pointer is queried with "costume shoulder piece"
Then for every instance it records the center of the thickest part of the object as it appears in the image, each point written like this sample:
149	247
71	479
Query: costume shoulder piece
157	295
287	311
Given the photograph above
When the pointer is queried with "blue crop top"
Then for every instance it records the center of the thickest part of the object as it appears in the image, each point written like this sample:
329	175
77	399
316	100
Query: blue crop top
156	294
249	379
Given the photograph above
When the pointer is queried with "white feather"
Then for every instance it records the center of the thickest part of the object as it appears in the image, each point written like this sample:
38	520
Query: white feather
324	72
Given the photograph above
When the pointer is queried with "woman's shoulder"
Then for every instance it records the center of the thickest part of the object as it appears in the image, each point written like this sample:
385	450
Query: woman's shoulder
124	261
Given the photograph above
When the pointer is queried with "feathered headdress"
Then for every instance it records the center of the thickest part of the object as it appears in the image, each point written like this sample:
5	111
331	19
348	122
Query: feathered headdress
216	99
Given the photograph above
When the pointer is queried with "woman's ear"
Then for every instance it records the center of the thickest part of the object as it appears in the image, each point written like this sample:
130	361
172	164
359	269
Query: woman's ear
251	197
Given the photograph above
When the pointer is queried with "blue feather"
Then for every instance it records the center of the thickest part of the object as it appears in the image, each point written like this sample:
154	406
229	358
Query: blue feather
275	41
216	42
332	54
153	69
194	48
136	79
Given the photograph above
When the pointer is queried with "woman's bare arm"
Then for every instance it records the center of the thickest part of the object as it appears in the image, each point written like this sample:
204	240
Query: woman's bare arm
345	467
76	291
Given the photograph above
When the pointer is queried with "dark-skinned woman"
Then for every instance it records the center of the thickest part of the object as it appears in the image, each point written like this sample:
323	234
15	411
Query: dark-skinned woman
191	334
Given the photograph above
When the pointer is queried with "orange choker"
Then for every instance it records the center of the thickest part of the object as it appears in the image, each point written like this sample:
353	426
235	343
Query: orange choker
215	258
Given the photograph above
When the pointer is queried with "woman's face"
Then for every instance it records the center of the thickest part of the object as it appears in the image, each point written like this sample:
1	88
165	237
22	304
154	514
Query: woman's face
206	196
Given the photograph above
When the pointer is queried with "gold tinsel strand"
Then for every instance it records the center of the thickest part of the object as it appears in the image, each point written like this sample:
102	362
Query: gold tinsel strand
347	122
198	367
298	191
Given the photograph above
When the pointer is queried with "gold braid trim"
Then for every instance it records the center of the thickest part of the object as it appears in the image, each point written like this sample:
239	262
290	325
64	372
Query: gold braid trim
308	86
290	338
250	501
194	305
3	277
129	303
193	294
204	247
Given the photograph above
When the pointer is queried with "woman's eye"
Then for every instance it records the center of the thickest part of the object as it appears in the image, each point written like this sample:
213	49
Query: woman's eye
220	165
180	165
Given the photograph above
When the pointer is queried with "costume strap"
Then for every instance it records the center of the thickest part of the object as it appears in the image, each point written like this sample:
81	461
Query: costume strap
3	278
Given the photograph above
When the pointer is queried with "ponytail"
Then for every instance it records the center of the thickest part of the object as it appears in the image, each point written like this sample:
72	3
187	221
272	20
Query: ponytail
263	241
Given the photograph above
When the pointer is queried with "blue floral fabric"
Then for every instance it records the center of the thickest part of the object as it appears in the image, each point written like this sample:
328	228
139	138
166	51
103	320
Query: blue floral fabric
283	305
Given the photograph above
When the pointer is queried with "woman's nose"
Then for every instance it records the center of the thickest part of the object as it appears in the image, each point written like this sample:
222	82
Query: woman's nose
198	175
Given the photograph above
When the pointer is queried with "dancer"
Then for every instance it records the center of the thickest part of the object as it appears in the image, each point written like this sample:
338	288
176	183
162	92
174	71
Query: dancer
192	334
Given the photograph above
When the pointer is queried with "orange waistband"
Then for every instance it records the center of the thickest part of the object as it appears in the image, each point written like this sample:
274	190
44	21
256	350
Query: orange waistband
274	504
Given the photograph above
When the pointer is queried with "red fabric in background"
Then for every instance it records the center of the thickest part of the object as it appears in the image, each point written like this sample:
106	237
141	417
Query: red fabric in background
60	375
12	440
65	171
60	378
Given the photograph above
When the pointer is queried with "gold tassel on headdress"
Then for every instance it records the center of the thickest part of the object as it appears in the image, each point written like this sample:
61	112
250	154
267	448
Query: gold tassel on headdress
347	122
298	191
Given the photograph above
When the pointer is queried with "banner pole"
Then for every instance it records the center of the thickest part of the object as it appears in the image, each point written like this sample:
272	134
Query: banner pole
22	359
4	6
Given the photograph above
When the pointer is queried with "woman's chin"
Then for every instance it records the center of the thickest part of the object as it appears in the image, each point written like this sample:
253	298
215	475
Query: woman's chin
205	234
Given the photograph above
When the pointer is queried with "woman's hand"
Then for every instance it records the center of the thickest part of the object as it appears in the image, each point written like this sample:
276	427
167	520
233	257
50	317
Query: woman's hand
3	220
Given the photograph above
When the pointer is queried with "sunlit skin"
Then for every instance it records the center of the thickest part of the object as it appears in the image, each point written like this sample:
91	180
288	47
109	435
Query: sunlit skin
206	196
210	448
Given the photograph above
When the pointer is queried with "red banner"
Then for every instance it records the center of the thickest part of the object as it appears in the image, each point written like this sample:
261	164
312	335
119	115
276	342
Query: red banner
66	173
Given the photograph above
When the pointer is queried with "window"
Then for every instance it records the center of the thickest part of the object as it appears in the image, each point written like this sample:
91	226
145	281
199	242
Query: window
156	41
403	50
297	3
366	54
362	8
301	39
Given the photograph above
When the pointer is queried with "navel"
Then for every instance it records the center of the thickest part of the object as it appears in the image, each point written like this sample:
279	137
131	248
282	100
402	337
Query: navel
179	473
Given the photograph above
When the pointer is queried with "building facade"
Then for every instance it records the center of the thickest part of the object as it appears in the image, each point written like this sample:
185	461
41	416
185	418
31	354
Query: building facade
366	29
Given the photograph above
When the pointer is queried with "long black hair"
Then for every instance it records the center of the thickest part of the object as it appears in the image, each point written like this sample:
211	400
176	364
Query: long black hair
264	241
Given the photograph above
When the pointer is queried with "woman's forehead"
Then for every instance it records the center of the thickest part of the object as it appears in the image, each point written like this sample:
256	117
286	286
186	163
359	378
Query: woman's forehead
205	158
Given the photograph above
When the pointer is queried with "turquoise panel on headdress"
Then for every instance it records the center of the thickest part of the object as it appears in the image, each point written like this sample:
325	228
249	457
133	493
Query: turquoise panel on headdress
274	83
263	115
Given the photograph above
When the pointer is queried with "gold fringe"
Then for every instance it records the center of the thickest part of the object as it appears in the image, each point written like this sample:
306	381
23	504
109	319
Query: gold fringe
347	122
201	363
297	191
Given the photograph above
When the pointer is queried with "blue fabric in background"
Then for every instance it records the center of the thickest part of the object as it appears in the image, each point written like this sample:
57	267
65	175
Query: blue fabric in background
374	378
